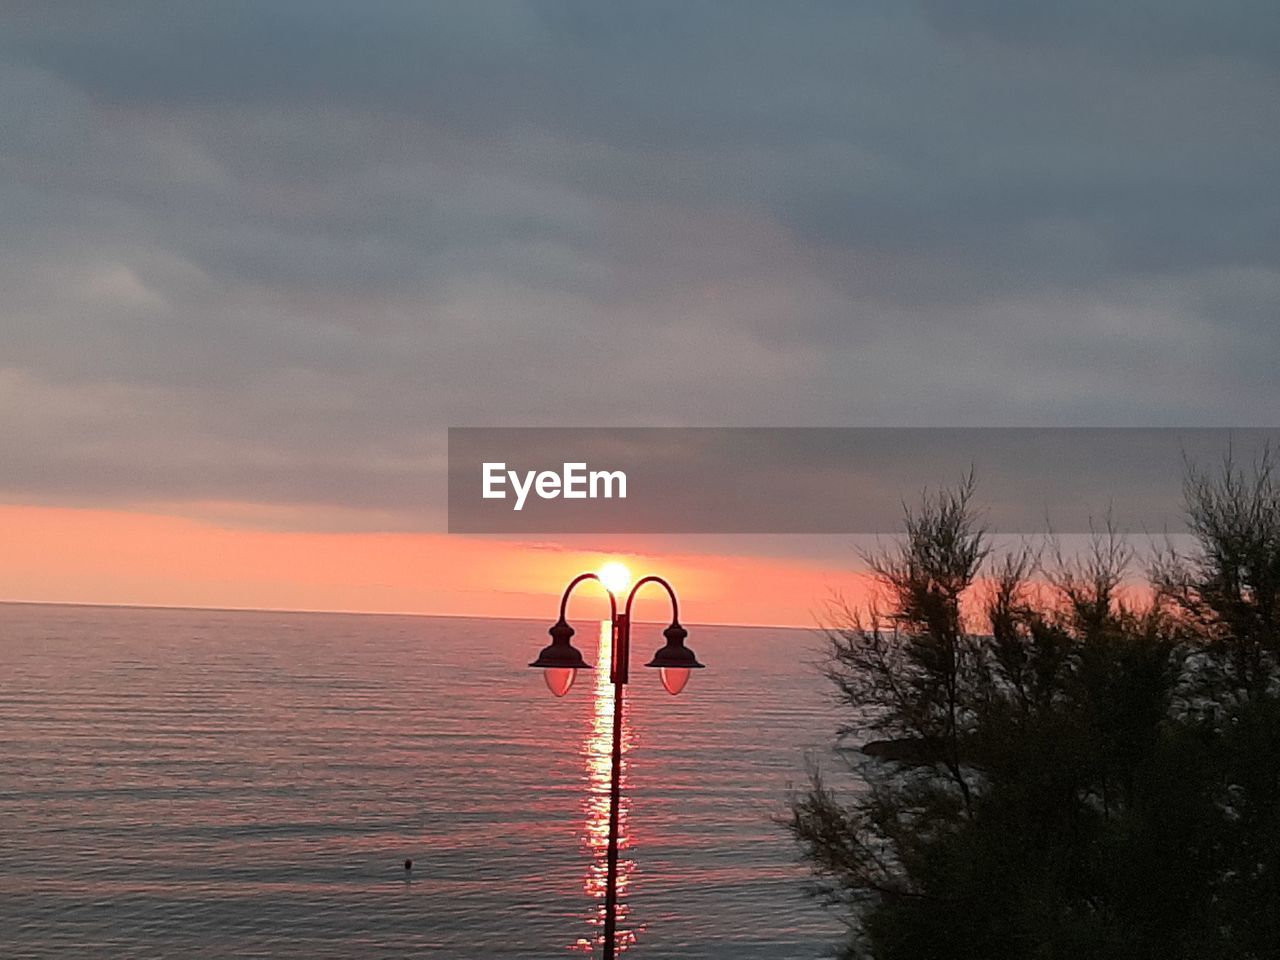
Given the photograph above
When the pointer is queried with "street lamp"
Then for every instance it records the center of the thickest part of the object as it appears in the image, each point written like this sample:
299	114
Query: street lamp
561	661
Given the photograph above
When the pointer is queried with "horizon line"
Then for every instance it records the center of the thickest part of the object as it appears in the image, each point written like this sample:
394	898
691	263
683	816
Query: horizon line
359	613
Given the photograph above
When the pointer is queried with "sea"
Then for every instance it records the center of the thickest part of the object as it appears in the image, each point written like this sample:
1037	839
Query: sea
207	784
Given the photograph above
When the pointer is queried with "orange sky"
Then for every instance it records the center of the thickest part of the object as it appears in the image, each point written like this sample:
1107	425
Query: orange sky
70	555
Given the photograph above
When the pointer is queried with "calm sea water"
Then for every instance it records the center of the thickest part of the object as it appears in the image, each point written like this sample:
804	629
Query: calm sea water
181	783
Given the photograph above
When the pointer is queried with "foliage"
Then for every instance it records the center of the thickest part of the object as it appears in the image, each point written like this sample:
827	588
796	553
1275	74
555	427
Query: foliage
1061	773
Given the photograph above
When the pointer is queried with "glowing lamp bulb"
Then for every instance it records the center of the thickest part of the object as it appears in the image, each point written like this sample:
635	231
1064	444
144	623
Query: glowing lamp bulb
615	576
560	679
674	678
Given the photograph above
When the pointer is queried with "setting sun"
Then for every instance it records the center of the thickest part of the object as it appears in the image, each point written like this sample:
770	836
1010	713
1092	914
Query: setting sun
615	576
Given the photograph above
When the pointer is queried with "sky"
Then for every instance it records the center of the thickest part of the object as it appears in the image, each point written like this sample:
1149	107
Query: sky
256	257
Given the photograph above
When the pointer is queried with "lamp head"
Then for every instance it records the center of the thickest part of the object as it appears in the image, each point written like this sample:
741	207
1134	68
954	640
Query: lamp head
675	660
560	660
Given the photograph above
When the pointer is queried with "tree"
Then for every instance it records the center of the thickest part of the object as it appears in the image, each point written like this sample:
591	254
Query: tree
1228	595
1060	772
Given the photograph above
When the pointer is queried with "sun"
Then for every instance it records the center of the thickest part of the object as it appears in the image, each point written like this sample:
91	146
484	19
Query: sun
615	576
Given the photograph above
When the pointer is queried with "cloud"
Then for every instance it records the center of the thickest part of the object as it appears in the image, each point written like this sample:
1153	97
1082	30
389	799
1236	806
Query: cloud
267	252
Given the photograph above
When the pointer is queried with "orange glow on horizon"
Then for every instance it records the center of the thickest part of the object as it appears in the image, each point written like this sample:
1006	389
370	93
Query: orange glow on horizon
72	555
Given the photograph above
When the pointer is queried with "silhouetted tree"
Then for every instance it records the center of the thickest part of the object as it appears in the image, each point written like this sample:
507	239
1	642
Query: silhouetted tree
1060	772
1228	595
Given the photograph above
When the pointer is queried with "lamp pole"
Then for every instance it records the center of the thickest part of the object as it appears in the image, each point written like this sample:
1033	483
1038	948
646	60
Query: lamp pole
618	668
561	661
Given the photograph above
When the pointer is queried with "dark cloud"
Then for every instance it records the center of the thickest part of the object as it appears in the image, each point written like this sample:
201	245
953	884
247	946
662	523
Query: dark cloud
1143	32
267	251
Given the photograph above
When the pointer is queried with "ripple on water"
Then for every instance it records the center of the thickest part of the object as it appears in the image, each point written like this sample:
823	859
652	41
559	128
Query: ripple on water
248	784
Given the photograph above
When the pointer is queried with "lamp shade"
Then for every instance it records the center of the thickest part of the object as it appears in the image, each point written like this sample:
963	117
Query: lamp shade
559	679
675	660
560	659
674	679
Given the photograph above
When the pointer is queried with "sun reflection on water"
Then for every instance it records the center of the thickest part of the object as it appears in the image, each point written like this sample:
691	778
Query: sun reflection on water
597	752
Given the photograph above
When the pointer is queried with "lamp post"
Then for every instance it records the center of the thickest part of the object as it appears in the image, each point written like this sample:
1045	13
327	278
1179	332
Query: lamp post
561	661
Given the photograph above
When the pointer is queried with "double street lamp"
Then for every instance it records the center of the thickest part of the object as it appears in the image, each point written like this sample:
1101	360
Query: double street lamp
561	661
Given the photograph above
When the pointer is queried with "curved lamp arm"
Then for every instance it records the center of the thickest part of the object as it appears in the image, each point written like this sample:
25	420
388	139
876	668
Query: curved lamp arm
675	660
675	605
613	601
